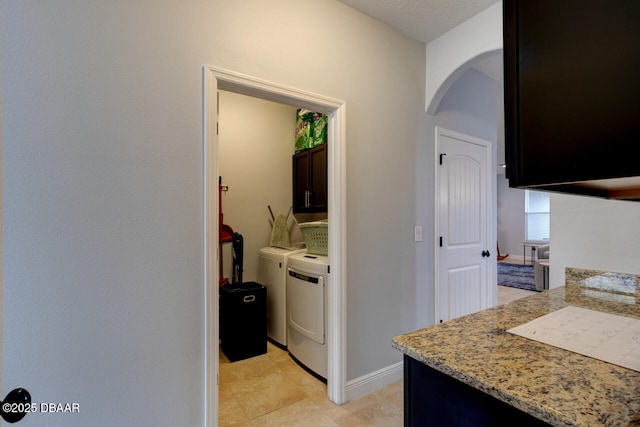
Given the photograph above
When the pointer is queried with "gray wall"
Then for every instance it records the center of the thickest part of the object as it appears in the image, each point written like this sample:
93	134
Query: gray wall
102	201
510	217
593	233
102	188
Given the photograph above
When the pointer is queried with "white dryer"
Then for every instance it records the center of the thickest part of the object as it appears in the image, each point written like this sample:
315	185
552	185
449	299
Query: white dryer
272	273
307	281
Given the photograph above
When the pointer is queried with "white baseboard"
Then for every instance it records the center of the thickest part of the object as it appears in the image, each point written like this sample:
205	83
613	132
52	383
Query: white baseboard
374	381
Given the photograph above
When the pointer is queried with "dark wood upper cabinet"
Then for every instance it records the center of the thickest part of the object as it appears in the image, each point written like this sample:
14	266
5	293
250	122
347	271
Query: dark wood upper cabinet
310	180
571	96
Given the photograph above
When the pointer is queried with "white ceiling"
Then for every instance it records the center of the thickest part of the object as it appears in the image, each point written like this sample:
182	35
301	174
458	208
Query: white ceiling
423	20
426	20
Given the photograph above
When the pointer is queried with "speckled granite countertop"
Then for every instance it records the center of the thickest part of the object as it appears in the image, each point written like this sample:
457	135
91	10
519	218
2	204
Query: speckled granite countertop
557	386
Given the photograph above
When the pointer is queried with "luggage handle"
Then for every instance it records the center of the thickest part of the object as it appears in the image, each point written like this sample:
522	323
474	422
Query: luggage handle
249	298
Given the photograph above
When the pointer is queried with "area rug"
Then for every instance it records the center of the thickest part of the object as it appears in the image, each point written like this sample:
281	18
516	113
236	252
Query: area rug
516	276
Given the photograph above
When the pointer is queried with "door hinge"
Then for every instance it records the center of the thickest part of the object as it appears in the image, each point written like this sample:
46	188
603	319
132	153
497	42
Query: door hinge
440	241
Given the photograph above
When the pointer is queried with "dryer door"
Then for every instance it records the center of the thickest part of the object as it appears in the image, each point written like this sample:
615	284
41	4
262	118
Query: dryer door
305	304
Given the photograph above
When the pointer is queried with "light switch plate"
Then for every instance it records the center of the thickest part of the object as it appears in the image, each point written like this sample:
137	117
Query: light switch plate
417	233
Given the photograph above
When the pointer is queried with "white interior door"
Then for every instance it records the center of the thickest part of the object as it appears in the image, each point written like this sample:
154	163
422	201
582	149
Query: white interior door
463	225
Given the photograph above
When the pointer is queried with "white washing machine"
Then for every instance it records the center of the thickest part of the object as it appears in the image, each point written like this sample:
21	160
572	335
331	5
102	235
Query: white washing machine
307	281
272	273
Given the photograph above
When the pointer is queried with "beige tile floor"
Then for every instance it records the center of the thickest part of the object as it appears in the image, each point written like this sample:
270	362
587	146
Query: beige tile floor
507	294
272	390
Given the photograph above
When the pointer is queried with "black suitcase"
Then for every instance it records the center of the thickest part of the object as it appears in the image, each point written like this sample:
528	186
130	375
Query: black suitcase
243	320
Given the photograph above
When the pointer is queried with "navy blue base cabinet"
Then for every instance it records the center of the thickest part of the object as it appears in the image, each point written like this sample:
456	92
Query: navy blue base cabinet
432	398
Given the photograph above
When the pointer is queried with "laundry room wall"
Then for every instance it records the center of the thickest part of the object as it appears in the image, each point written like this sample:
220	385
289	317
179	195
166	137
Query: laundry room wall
256	142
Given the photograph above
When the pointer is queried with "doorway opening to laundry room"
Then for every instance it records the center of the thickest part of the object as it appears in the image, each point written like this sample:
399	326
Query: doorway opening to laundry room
263	219
250	196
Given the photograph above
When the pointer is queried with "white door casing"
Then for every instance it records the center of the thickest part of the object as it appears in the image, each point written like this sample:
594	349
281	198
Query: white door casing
464	254
214	79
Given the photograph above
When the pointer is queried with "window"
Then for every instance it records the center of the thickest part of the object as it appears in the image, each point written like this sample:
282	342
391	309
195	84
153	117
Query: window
536	215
